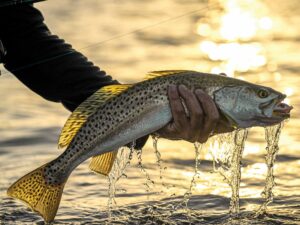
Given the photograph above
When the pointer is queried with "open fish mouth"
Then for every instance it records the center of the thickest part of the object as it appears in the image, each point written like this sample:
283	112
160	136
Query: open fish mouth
281	111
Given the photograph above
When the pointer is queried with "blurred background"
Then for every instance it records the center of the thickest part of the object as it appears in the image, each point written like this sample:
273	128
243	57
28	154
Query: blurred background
254	40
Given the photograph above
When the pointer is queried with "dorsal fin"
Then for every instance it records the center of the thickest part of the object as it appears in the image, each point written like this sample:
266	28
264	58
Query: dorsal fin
86	109
153	74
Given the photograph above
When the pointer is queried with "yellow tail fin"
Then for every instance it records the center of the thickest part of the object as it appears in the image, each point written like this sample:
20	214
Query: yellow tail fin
41	197
103	163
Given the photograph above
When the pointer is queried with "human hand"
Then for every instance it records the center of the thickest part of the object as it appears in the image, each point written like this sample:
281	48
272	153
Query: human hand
202	120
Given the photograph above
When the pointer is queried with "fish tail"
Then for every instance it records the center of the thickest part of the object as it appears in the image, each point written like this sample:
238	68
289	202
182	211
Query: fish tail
41	196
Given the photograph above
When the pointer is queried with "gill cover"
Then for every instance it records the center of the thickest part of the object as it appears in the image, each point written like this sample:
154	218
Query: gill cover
236	105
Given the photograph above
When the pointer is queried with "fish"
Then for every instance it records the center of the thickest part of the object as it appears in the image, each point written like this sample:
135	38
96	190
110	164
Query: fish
119	114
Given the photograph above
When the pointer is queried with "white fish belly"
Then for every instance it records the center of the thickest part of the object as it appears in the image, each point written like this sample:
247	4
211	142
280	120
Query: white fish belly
147	123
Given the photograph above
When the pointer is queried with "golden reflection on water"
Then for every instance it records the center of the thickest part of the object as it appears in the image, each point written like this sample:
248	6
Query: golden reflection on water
289	91
277	76
237	25
252	148
257	169
235	56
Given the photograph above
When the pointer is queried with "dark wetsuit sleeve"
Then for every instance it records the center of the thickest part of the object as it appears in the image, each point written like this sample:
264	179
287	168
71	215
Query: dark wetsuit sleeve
44	62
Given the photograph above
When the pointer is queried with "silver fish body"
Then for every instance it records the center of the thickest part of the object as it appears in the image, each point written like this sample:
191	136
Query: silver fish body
144	108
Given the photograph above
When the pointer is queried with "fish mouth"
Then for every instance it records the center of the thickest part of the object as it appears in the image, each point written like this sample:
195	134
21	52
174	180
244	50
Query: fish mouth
281	111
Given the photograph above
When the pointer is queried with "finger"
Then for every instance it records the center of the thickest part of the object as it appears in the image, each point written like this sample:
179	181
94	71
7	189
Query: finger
177	109
195	112
169	131
211	115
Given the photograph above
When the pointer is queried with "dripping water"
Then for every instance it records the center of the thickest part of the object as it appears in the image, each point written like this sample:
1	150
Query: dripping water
149	181
188	193
158	155
227	156
122	161
240	137
272	135
227	161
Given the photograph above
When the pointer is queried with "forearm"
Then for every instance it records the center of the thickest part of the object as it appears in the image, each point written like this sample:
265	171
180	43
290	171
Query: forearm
44	62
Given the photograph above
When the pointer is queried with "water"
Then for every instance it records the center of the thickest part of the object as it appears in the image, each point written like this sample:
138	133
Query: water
272	138
235	170
254	40
227	162
158	155
187	195
122	161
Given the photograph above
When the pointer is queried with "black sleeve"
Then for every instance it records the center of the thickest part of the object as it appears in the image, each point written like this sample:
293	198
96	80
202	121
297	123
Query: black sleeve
44	62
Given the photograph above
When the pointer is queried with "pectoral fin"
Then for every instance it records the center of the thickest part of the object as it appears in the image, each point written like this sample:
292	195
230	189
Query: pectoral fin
103	163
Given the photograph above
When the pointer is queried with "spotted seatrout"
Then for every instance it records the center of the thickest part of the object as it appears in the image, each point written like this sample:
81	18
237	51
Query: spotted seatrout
119	114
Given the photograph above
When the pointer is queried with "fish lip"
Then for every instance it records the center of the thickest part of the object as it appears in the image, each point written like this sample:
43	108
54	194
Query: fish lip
269	121
282	114
281	111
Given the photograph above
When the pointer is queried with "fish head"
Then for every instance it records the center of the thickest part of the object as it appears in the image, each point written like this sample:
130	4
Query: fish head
251	105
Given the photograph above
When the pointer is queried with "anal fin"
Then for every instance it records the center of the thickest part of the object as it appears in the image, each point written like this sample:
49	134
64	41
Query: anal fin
103	163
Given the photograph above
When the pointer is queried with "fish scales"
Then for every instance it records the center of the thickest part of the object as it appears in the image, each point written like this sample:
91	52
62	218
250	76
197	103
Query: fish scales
128	105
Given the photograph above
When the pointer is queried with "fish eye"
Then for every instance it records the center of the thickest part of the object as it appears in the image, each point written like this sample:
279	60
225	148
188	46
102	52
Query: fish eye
262	93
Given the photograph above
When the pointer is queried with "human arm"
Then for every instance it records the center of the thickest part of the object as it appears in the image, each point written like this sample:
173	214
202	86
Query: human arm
44	62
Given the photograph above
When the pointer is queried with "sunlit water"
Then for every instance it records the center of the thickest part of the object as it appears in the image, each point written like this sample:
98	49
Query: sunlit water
253	40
